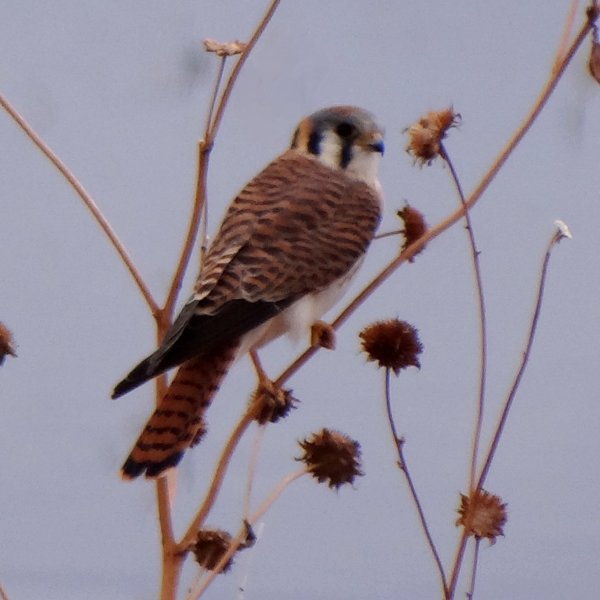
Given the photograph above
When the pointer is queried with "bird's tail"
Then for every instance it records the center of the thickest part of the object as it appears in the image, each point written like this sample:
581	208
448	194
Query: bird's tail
178	421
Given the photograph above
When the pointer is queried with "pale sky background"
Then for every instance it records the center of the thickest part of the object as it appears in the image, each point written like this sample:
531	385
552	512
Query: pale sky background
119	90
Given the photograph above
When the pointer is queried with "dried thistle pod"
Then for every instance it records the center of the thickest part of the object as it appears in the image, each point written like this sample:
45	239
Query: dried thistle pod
393	344
272	402
482	515
414	227
426	135
210	547
331	457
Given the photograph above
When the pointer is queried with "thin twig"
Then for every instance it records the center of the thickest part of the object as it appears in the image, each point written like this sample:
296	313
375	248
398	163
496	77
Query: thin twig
458	558
215	93
252	464
204	216
238	66
204	150
524	360
399	444
567	28
242	535
471	592
87	201
380	236
482	319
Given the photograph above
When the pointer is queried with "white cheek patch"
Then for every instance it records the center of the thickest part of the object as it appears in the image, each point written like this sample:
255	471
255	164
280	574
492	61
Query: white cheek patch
364	166
330	150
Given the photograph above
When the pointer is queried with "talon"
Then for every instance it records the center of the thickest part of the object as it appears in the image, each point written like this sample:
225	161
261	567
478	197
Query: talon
323	335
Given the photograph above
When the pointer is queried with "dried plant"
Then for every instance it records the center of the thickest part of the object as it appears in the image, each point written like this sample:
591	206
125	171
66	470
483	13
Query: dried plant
327	455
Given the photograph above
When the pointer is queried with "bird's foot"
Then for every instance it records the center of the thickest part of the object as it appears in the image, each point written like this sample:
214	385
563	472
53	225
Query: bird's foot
271	401
322	335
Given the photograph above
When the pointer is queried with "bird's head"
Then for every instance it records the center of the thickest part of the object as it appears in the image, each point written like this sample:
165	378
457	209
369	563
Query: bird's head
342	137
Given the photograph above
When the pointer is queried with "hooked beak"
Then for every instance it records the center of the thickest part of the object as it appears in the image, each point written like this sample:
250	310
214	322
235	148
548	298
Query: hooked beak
373	142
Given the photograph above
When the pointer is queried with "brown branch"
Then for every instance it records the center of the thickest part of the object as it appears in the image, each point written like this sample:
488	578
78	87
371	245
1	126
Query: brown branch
567	28
399	444
482	319
471	592
204	150
87	201
460	552
524	360
238	67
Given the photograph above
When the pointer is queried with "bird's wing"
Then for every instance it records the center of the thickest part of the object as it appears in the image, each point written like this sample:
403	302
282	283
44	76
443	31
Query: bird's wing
296	228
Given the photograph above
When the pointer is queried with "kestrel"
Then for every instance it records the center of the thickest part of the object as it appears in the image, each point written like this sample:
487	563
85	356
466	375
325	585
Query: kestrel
287	248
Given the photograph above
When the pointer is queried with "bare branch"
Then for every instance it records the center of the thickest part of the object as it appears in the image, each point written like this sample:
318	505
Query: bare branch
482	319
399	444
524	360
204	150
87	201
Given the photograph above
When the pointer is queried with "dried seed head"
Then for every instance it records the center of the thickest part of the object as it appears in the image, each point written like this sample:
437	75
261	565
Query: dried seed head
394	344
272	402
6	342
425	136
482	514
209	548
414	227
332	457
224	49
423	144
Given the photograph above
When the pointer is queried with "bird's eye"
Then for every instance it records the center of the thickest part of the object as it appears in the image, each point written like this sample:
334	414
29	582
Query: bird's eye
345	130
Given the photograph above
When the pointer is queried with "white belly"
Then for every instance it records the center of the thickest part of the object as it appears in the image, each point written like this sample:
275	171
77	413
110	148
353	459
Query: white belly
297	319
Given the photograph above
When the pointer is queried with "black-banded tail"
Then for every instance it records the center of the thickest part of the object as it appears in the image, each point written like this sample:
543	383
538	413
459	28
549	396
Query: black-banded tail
178	421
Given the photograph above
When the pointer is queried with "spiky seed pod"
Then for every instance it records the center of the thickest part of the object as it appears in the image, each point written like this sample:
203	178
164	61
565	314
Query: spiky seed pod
482	514
272	402
331	457
393	344
414	227
209	548
425	136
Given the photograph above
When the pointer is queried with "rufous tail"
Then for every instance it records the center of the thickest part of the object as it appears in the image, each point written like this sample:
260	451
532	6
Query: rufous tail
178	421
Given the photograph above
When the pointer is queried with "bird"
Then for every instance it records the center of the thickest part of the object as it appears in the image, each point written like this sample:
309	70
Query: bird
286	250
